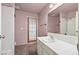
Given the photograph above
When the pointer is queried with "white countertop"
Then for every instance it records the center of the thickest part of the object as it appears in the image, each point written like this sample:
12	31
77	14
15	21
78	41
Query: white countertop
60	47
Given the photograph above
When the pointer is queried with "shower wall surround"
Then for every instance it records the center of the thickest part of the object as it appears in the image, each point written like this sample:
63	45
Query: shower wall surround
68	23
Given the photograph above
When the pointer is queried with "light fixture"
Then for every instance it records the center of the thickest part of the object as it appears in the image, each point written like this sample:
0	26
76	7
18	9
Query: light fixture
51	5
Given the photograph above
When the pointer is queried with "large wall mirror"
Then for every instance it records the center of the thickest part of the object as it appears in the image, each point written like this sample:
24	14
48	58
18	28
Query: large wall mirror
64	19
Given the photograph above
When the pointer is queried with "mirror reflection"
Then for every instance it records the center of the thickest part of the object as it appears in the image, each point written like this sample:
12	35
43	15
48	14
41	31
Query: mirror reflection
63	20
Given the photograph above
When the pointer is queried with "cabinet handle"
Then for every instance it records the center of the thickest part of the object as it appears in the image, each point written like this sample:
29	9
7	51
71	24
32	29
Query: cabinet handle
77	31
2	36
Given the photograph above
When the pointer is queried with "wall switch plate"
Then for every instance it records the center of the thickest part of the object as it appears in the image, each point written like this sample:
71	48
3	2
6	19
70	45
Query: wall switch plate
21	28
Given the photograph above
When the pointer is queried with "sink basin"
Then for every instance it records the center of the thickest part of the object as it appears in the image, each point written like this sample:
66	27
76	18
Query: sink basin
48	40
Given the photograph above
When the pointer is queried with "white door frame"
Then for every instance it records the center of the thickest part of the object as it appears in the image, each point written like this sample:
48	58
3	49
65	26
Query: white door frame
78	28
0	27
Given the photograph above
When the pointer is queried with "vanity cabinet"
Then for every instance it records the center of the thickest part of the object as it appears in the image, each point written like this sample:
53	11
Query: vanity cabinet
43	49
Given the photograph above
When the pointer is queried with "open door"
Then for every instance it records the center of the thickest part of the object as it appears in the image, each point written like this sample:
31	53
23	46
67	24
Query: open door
7	30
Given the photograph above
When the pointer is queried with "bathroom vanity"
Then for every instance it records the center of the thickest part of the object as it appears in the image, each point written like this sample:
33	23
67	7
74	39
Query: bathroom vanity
43	48
63	26
52	46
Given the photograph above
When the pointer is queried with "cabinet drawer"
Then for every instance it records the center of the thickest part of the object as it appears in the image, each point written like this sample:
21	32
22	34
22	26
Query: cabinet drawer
44	49
48	50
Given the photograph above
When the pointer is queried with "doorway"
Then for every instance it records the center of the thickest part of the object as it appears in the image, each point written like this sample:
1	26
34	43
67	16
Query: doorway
32	29
30	46
32	35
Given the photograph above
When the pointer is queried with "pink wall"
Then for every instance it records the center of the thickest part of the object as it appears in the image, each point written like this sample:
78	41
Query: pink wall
53	24
43	19
21	26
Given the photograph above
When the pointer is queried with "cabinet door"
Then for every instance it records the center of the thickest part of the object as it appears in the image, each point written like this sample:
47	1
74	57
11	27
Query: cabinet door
43	49
39	49
44	52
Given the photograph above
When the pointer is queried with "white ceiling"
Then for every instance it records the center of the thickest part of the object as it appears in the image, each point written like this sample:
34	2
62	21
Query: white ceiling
31	7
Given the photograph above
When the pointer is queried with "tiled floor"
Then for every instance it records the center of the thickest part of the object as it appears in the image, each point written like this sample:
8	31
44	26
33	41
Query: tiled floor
28	49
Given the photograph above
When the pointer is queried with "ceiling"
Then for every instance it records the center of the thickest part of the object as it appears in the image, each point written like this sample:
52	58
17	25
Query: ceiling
31	7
